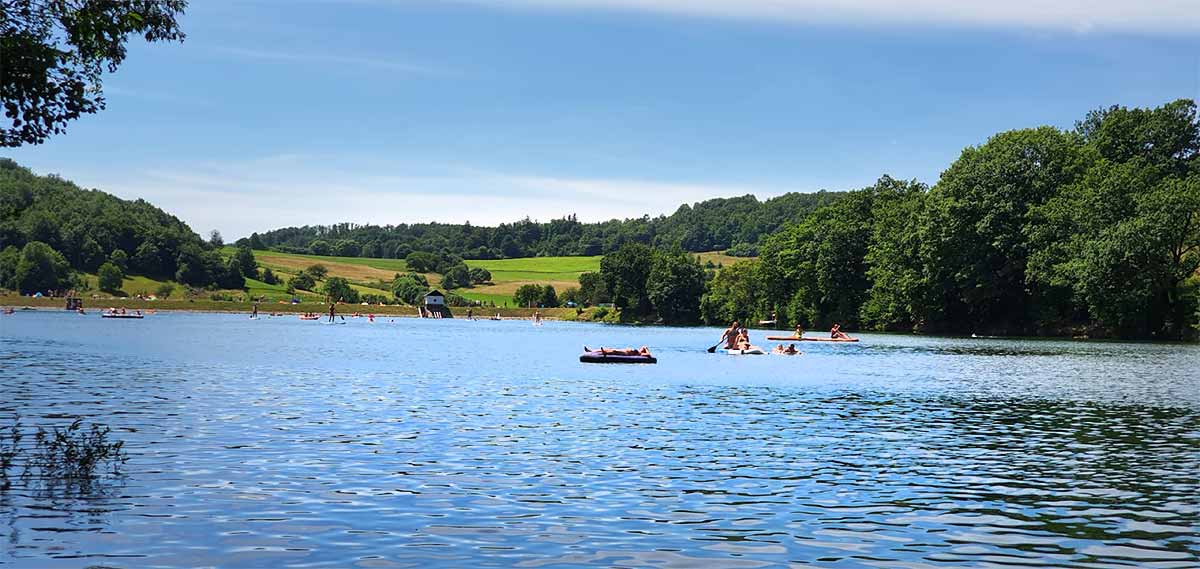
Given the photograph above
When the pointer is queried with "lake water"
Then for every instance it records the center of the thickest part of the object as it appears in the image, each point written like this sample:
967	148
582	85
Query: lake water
423	443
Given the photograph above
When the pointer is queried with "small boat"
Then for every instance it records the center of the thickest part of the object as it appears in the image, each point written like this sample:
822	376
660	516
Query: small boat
119	315
766	322
795	339
602	358
754	351
303	317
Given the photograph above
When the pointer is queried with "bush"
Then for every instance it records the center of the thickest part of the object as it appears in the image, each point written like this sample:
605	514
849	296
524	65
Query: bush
318	271
39	268
421	261
409	290
74	454
268	276
110	277
480	275
527	295
338	290
457	276
164	290
302	281
548	298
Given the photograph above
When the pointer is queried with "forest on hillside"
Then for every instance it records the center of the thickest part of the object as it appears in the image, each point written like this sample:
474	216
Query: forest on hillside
50	229
736	224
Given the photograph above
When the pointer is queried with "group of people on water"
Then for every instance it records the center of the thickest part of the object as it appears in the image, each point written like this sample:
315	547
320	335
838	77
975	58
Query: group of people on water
737	337
112	311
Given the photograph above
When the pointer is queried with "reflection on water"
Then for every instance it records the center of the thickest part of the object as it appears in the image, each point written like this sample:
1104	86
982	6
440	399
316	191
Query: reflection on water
418	443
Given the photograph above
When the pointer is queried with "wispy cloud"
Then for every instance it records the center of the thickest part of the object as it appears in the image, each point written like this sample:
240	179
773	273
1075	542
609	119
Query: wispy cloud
302	58
276	191
1075	15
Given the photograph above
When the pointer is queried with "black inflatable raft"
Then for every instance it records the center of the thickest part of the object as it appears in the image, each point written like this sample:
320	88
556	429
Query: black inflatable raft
599	358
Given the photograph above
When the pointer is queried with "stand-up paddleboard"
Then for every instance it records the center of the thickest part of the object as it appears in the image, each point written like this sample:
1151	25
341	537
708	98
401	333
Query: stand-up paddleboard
795	339
122	316
750	352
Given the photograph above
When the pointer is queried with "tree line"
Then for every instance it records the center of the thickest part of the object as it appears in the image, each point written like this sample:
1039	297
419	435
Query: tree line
738	224
1090	231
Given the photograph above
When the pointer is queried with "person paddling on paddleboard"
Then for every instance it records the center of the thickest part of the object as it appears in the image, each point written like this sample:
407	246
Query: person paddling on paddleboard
332	309
730	335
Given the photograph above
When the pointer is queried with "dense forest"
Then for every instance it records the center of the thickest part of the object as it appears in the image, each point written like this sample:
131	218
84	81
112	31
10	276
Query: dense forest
738	224
50	228
1092	231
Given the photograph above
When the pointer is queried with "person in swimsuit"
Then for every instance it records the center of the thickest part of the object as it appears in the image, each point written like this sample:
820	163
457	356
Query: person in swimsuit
642	351
331	310
730	336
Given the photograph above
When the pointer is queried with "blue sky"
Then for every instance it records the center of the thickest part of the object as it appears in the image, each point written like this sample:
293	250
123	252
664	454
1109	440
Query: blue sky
280	113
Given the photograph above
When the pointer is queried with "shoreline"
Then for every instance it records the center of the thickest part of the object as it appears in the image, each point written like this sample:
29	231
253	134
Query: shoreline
286	309
205	306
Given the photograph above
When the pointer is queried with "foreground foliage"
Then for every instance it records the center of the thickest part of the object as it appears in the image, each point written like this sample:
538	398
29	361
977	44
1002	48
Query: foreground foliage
54	54
72	455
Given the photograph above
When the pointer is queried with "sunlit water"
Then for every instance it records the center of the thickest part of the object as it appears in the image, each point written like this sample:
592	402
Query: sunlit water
450	443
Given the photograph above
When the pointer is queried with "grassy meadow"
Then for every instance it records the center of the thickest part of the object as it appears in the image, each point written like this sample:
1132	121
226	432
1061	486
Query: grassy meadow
374	276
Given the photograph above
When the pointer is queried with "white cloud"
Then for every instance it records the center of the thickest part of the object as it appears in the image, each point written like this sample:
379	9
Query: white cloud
238	198
1075	15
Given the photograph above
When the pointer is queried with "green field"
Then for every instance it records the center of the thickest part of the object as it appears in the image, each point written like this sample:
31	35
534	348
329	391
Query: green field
368	275
373	276
507	274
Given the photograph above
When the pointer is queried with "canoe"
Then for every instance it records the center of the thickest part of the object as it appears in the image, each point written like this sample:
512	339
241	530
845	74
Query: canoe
750	352
599	358
133	316
795	339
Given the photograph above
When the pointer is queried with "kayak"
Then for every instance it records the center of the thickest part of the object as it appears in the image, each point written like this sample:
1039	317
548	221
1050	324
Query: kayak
601	358
795	339
750	352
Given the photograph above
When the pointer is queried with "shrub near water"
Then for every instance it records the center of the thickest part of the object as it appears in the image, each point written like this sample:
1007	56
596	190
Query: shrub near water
75	454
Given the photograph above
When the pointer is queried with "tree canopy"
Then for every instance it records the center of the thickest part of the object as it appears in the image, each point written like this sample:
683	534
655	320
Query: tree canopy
54	54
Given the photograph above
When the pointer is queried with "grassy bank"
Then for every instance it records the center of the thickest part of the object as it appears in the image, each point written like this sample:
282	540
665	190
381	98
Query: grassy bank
94	306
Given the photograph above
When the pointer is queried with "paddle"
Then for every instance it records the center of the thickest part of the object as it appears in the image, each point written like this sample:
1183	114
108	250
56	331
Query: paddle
714	348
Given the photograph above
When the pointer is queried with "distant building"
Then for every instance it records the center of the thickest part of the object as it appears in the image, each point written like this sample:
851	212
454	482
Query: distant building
435	306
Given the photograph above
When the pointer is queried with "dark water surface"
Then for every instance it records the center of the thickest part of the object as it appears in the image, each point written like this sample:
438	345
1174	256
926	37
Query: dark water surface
414	443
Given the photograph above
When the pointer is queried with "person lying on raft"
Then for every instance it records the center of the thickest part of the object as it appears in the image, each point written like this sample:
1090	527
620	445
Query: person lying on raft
790	350
642	351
